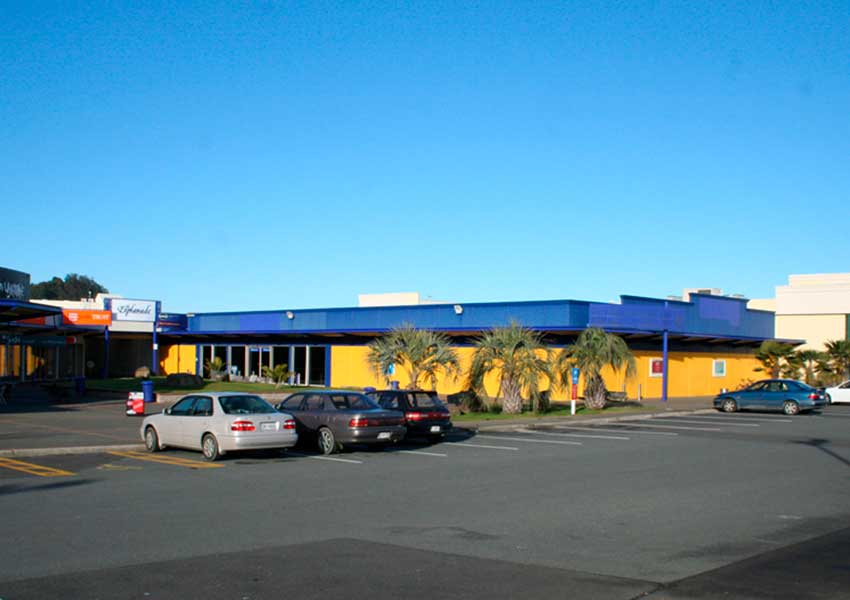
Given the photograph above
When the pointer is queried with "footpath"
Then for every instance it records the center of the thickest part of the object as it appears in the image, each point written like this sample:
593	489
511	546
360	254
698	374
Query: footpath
96	425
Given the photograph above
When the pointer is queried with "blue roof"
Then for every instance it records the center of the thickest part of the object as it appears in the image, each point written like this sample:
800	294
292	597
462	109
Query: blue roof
703	315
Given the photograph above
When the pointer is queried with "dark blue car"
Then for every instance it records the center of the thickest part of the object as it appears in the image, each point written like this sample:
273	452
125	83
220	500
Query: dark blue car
787	395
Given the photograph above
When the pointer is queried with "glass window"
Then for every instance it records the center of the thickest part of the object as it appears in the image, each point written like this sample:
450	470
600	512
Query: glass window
423	400
718	367
315	402
389	401
845	385
245	405
757	387
203	406
293	402
183	407
353	402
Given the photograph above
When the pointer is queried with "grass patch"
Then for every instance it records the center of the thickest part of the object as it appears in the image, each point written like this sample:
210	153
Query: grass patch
133	384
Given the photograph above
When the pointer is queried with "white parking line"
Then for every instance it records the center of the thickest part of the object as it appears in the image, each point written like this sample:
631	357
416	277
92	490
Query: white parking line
741	417
579	435
516	439
422	453
594	428
342	460
642	424
701	421
465	445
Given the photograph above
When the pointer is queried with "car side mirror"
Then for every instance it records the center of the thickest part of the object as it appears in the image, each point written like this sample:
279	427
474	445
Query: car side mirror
167	411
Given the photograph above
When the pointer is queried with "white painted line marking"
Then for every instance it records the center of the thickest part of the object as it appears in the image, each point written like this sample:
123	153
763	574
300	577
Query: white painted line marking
465	445
744	418
702	421
638	424
517	439
342	460
579	435
422	453
594	428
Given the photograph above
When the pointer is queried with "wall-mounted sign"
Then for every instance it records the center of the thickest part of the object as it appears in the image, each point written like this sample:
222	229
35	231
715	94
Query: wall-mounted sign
656	367
14	285
133	310
86	317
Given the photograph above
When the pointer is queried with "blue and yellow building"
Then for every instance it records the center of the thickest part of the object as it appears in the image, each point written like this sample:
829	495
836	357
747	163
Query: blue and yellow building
683	348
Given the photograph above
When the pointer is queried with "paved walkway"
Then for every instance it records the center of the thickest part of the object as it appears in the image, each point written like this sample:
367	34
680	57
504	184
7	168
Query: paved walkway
93	425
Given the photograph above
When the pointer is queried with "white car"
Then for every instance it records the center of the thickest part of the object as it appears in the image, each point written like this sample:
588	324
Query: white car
839	394
216	423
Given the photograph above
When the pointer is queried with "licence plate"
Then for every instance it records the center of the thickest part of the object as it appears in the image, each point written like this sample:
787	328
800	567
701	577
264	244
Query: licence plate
435	429
384	435
267	426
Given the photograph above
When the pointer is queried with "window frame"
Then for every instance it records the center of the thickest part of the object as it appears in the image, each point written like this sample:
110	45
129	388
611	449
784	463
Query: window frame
714	363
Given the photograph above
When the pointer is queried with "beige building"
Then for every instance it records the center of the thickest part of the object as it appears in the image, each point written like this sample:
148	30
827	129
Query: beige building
815	308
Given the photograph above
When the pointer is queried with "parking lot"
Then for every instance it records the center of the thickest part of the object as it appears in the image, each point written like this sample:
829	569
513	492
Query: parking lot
664	505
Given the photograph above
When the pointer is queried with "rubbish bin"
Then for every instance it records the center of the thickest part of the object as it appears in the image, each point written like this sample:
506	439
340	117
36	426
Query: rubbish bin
147	390
80	386
393	385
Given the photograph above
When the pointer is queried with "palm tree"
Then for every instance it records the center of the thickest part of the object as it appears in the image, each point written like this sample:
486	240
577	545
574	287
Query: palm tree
594	350
808	361
773	355
515	353
422	353
839	357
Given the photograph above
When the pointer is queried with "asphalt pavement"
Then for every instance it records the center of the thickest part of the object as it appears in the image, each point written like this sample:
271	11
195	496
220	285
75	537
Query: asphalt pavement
669	507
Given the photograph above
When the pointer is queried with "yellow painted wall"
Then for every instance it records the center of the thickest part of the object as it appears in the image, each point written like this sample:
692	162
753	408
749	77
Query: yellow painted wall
177	359
690	374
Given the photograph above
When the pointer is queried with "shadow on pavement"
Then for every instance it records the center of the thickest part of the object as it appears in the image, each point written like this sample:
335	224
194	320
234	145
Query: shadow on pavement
8	490
821	444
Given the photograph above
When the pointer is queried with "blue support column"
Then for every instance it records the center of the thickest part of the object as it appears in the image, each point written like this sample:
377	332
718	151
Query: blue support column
105	373
327	366
155	345
665	361
199	365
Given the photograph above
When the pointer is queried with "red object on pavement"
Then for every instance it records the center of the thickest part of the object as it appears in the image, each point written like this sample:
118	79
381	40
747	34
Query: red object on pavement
135	404
575	392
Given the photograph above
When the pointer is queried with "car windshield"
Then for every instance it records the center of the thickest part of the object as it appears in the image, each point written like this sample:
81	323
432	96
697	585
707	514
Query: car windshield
353	402
423	400
245	405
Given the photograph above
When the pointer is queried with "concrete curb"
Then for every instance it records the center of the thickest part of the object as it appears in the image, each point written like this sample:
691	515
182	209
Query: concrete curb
29	452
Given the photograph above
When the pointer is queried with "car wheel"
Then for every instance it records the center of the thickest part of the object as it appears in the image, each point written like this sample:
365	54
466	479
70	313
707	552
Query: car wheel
790	407
729	405
209	445
151	440
327	441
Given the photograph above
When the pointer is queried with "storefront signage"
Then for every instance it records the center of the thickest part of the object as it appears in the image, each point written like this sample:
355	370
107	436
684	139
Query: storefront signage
14	285
133	310
86	317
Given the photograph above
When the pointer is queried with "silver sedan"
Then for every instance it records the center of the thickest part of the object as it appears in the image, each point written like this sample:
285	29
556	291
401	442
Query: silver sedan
215	423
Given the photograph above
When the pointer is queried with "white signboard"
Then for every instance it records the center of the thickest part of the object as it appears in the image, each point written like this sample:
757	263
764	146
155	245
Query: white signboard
133	310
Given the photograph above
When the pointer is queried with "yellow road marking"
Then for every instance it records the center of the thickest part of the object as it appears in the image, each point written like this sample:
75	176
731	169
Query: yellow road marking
32	469
167	460
111	467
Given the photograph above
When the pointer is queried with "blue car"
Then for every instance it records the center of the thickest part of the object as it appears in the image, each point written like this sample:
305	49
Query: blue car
787	395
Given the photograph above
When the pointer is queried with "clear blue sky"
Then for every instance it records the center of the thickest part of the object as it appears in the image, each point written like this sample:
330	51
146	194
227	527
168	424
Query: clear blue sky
250	155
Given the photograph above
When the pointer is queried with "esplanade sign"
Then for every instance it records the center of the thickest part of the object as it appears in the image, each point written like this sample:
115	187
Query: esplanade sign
14	285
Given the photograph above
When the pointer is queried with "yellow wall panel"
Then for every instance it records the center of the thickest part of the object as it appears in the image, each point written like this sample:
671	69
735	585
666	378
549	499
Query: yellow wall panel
177	359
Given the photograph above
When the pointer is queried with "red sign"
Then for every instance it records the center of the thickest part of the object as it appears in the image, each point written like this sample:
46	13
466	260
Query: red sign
656	366
86	317
575	392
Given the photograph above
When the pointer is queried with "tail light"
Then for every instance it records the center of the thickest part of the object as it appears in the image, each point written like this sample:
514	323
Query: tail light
418	416
289	424
358	422
814	396
414	416
242	426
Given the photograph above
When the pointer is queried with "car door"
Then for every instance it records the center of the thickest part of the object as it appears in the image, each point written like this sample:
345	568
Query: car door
199	423
311	412
751	397
775	394
178	419
841	393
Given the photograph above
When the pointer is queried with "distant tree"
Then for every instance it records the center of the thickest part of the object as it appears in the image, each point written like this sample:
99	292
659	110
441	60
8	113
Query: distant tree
423	353
520	358
594	350
773	356
839	357
809	362
73	287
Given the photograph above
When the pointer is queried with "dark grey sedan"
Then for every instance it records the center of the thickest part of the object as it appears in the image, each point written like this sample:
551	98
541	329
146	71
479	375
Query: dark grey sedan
335	418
